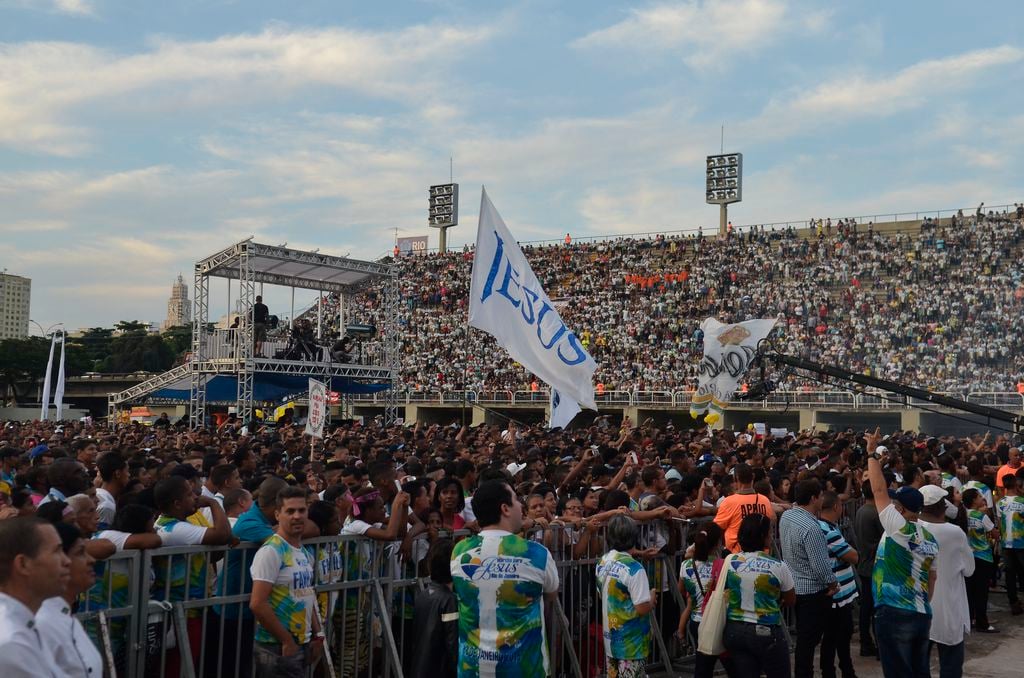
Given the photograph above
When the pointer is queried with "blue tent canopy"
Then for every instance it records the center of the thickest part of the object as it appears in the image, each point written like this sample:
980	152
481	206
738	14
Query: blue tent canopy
266	388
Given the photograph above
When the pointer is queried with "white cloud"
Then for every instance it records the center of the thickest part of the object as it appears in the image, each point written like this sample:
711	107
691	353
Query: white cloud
43	83
857	96
702	33
73	7
34	226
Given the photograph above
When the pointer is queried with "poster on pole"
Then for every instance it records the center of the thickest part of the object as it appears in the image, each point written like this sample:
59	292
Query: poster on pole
317	409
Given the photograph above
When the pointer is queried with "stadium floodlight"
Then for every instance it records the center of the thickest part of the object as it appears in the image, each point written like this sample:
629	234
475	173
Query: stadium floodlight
724	184
443	211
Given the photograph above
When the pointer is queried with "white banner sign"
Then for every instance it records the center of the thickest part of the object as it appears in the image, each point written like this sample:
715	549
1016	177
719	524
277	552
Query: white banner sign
728	351
507	302
46	382
317	409
58	394
563	409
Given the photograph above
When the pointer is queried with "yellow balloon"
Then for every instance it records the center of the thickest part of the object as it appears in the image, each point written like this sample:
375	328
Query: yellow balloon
712	418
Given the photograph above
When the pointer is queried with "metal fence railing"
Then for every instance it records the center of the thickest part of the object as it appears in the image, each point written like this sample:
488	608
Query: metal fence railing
184	611
856	400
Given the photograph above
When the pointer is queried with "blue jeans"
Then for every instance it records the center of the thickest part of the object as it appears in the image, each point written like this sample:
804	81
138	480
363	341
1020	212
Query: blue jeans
903	645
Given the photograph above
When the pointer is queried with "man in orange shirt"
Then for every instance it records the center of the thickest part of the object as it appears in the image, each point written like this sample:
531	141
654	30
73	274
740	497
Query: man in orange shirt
740	504
1009	468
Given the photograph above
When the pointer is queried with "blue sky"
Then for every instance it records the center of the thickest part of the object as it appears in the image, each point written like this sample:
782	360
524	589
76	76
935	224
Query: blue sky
137	137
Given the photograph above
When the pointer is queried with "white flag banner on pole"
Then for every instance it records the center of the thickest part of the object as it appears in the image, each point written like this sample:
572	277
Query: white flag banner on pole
507	302
728	351
58	394
317	409
46	381
563	409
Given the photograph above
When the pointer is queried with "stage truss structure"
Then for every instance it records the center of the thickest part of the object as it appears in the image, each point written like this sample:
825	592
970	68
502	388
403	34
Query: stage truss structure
254	265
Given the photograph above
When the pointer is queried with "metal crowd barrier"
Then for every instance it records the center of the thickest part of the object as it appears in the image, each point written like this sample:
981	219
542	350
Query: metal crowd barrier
184	611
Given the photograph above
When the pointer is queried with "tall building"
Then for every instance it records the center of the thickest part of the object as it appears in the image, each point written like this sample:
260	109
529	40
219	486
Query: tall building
179	311
15	295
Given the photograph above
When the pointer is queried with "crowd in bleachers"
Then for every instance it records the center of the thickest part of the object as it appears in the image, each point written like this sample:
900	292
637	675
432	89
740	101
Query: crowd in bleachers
937	307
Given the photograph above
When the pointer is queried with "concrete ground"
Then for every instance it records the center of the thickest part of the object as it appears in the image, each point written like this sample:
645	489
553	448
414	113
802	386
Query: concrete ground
987	655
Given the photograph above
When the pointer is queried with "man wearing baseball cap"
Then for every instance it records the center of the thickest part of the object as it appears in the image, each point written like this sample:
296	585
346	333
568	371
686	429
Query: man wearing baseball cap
904	579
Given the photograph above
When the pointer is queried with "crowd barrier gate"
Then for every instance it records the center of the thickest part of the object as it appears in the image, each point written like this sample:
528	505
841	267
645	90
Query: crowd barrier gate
183	611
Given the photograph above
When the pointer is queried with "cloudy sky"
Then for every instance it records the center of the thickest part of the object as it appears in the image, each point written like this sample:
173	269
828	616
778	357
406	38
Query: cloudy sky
136	137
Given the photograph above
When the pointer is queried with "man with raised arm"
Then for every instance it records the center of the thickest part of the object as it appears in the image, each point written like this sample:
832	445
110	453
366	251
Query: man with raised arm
903	578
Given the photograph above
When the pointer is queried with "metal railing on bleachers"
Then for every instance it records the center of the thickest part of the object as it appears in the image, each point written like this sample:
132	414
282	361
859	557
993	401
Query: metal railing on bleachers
865	400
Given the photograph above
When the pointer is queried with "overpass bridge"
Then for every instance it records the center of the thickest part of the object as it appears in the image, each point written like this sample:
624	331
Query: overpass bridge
89	391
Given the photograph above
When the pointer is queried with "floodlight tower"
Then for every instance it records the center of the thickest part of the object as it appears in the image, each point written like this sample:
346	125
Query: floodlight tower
443	212
724	184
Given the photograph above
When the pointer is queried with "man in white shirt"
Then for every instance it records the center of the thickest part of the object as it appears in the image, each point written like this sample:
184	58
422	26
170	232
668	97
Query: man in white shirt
223	477
33	567
113	470
951	618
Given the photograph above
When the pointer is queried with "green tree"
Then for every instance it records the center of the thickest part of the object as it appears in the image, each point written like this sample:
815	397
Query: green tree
179	339
94	345
23	364
138	352
133	327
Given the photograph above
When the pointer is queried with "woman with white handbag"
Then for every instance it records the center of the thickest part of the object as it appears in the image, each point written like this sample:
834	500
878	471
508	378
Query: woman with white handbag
755	586
697	576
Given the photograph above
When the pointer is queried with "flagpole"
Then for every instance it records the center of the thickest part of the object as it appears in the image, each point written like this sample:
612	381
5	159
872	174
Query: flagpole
465	367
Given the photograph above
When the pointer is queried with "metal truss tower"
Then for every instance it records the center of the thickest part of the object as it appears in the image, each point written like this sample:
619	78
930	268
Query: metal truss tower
391	299
232	352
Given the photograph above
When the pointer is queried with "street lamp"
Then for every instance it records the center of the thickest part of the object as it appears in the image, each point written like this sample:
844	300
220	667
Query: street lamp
46	332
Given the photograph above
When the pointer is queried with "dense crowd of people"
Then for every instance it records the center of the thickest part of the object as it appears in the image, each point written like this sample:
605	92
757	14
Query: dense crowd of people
938	307
492	519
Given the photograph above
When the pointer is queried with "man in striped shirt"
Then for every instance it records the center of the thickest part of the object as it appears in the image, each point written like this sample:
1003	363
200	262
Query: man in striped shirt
806	552
839	628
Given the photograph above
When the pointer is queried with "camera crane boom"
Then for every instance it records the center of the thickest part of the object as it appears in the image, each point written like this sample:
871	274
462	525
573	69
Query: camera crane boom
779	359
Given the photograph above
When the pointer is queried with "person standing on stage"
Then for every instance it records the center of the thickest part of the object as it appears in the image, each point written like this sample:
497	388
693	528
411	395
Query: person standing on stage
260	320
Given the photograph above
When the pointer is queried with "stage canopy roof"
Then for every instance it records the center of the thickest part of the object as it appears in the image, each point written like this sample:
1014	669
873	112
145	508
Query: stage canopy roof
288	267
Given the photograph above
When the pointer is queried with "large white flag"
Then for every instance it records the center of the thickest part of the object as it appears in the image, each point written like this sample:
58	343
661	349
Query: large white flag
46	381
563	409
728	351
507	301
58	394
317	409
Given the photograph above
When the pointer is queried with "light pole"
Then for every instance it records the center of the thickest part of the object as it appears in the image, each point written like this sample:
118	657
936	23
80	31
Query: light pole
724	185
45	333
443	212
